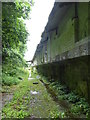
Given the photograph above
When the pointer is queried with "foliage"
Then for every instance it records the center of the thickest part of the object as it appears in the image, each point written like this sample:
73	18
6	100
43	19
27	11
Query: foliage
17	107
23	8
81	107
23	103
8	80
14	38
13	58
14	33
12	71
58	115
12	76
78	104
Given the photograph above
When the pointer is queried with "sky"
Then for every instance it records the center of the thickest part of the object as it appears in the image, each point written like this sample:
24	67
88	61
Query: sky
35	26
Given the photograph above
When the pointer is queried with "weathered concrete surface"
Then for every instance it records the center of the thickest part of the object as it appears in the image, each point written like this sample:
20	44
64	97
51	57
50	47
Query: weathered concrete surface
74	73
64	50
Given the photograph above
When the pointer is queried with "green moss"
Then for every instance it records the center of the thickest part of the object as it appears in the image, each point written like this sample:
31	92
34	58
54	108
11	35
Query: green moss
83	19
68	35
76	74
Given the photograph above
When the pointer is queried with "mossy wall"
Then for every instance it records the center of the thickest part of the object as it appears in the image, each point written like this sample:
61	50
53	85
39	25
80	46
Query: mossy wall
70	30
74	73
65	39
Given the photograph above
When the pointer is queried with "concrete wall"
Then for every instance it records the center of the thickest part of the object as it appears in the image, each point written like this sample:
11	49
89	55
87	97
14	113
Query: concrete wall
65	56
71	31
73	72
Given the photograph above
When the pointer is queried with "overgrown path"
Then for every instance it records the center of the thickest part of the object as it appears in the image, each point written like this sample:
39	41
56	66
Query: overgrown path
41	103
34	98
31	100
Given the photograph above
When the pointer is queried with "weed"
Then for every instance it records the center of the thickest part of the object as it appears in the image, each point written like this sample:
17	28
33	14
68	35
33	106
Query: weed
78	105
8	80
55	114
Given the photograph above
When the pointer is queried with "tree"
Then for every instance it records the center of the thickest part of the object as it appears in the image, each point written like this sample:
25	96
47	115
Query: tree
14	33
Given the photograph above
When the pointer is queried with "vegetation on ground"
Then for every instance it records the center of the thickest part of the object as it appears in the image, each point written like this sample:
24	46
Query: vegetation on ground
17	106
14	39
78	104
25	105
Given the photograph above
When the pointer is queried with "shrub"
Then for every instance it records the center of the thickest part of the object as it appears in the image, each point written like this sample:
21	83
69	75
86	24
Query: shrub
8	80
